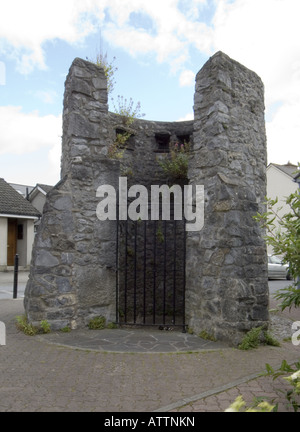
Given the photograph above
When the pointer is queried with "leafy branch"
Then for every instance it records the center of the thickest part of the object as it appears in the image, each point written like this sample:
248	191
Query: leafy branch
285	242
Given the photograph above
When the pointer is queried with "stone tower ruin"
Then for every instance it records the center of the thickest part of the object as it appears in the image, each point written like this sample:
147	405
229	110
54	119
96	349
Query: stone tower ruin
75	255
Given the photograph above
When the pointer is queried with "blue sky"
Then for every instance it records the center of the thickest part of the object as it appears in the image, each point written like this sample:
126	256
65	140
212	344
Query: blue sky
159	46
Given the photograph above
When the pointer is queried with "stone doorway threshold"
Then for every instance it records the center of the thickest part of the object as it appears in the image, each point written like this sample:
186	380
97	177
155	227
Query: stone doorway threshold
132	341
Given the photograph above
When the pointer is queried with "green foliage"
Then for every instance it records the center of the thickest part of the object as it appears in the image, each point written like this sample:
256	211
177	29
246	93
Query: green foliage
175	165
124	108
205	335
27	328
290	296
292	395
127	111
115	150
112	325
97	323
45	326
23	325
159	234
239	405
251	339
109	69
270	340
65	329
255	337
285	242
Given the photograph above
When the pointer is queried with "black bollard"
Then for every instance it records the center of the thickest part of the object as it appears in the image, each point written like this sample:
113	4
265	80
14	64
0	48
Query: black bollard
16	270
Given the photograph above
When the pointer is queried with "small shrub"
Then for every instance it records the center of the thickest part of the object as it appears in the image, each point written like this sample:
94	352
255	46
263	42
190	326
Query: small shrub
23	325
256	336
45	326
112	325
97	323
65	329
204	335
270	340
175	166
114	151
251	339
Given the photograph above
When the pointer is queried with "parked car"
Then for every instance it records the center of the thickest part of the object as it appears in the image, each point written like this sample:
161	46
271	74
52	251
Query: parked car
276	269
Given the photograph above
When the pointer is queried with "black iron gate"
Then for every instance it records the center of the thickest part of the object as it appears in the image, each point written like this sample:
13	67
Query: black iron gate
151	273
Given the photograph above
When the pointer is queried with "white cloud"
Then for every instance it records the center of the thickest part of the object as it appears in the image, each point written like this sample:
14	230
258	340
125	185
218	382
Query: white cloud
54	158
22	133
46	96
188	116
174	32
26	26
262	35
175	25
265	37
187	78
283	133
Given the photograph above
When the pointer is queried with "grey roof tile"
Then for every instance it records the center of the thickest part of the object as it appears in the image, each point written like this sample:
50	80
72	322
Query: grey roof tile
13	203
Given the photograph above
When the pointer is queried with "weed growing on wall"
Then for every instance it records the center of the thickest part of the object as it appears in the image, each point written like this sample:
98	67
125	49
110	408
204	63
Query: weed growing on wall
128	113
127	110
109	70
175	165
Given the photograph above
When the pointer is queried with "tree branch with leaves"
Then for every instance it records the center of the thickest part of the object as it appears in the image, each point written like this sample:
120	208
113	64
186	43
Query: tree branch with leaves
285	242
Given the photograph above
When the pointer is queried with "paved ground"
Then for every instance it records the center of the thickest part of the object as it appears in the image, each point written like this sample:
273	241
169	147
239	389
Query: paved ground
6	284
157	371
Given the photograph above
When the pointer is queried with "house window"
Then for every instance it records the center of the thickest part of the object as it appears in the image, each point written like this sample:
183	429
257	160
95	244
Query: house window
20	231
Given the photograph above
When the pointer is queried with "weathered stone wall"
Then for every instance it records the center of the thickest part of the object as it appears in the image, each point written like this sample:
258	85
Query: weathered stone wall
227	291
72	276
73	263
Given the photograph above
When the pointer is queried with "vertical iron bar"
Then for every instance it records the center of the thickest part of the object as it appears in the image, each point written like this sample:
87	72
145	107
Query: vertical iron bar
125	293
154	271
165	272
135	252
117	263
145	251
16	270
184	275
174	274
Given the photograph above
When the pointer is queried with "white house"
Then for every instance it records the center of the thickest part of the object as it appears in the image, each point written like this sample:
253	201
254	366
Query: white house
281	182
17	217
37	196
